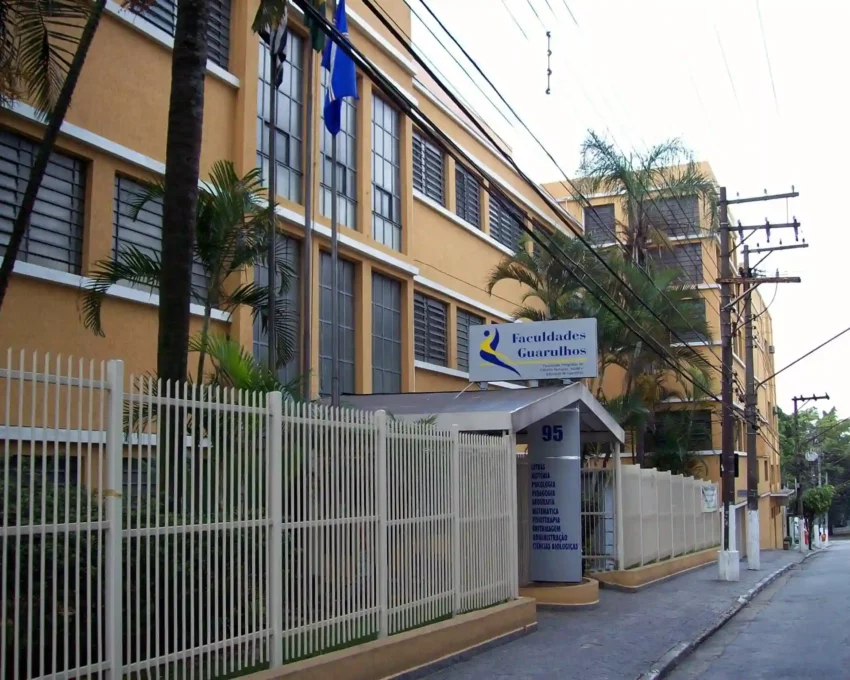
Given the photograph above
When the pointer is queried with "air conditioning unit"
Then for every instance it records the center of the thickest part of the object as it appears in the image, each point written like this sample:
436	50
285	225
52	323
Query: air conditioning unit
771	349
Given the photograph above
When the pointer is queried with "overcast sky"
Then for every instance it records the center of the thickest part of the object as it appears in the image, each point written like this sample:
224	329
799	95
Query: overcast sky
645	71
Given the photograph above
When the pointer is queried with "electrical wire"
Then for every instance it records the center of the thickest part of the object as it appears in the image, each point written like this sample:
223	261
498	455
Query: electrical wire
384	19
570	12
728	70
807	354
767	56
535	14
518	25
411	110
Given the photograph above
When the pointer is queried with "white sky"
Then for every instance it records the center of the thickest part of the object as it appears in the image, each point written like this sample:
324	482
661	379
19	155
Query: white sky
646	71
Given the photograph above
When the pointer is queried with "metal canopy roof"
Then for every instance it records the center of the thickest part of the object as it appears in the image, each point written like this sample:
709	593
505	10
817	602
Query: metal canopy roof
496	410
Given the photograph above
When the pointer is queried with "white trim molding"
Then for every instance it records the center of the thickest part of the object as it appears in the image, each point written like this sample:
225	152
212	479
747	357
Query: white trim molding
35	271
92	139
455	373
449	215
380	41
460	297
146	28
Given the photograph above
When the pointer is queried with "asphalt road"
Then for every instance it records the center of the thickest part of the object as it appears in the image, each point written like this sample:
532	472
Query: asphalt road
799	627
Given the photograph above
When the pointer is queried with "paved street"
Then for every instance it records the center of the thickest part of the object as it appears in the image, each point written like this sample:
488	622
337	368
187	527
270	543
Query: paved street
799	627
623	635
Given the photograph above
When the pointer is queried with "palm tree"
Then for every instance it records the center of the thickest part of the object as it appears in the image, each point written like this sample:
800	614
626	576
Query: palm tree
230	235
552	291
42	56
180	199
667	170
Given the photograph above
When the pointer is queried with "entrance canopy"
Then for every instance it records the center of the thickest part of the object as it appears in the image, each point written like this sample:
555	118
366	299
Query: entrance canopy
498	410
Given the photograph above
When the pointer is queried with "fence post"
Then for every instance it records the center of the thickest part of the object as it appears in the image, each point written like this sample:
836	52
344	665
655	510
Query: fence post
455	472
657	475
640	511
113	500
672	522
383	575
618	507
275	564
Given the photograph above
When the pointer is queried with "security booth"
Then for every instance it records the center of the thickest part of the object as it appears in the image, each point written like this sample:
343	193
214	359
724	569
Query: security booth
548	426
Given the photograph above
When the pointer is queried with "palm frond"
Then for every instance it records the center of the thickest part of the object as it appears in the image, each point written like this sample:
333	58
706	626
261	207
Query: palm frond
46	34
131	266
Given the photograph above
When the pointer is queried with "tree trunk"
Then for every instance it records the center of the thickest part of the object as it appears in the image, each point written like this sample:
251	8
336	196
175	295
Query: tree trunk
56	118
182	172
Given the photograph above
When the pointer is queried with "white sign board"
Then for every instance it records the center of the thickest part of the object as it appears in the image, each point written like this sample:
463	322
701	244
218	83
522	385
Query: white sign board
555	460
533	351
709	499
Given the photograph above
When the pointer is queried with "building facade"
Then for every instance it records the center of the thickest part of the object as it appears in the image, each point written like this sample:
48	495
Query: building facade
419	232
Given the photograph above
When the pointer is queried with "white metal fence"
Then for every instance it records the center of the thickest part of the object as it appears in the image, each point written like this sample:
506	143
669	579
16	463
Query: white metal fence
153	529
663	516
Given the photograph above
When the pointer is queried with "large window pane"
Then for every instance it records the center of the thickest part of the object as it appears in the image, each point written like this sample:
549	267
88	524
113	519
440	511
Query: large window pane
386	176
346	163
386	334
430	326
346	326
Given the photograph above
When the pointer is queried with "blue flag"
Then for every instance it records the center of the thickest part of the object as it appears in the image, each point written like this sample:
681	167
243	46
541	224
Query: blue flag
342	81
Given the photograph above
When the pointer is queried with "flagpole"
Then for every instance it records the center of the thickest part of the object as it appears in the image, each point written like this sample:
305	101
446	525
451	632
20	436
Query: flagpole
334	282
307	256
271	312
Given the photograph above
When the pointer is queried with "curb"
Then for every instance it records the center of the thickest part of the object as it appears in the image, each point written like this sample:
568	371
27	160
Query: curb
679	652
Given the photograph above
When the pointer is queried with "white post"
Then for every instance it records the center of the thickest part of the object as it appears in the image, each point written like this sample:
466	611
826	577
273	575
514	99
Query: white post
672	523
618	489
275	486
456	557
113	501
511	444
383	575
640	511
657	476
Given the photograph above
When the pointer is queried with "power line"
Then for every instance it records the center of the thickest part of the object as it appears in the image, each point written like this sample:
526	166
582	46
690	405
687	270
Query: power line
807	354
728	70
413	111
767	56
535	14
555	162
518	25
570	12
822	432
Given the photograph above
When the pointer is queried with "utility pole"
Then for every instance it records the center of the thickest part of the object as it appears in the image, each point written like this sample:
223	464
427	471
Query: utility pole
801	522
729	561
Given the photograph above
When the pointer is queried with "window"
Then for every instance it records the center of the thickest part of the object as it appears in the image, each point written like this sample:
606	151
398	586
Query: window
163	15
386	177
464	321
289	124
55	235
505	222
690	334
386	334
688	429
430	326
674	216
290	250
687	257
346	325
599	224
145	232
467	196
346	163
428	168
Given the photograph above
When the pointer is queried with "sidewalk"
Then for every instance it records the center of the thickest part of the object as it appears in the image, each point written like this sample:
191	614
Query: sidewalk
624	635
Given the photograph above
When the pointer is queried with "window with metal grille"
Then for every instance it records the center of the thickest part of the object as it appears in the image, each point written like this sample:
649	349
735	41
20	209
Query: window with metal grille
54	237
430	330
163	15
386	334
505	221
468	196
686	257
674	216
346	163
145	232
599	224
291	250
386	175
289	125
345	322
697	309
428	168
464	321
